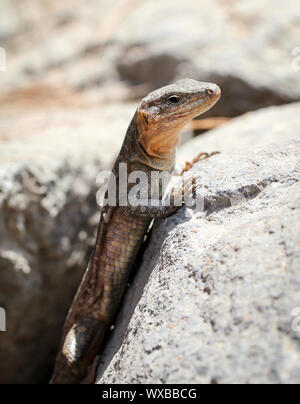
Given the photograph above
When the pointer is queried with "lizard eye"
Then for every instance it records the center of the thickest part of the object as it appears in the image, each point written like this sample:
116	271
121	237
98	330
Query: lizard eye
174	99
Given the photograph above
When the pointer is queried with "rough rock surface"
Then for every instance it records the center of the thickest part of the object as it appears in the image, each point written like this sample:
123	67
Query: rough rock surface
48	215
246	46
220	286
247	132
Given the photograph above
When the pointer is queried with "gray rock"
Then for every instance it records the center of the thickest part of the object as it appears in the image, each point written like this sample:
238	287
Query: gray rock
9	20
247	132
243	46
215	294
48	216
246	47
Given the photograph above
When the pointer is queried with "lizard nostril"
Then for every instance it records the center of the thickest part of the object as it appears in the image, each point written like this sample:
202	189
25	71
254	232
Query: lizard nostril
210	91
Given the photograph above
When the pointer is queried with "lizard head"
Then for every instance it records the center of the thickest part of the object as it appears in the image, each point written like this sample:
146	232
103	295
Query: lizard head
164	112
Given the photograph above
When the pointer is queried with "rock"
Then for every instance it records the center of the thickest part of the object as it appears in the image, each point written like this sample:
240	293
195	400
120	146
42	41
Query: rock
246	47
215	297
9	21
48	216
243	46
252	130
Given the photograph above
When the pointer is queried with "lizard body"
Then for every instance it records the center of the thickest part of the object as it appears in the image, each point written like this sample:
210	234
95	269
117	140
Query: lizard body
149	145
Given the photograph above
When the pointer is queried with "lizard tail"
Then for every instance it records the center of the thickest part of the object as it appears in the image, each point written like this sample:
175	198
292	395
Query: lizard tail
80	347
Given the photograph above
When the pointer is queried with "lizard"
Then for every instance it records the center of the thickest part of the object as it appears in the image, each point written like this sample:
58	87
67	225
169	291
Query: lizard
150	145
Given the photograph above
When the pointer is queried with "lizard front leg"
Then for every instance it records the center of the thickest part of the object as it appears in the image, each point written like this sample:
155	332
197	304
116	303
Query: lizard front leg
184	191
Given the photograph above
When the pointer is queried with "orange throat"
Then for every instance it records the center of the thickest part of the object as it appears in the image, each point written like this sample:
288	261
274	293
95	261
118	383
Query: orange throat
159	144
159	139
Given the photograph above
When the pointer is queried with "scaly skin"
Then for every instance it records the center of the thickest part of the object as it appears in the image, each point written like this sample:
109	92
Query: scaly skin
149	145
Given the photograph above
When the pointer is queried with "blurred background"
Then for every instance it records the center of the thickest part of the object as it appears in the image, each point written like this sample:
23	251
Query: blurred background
74	72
